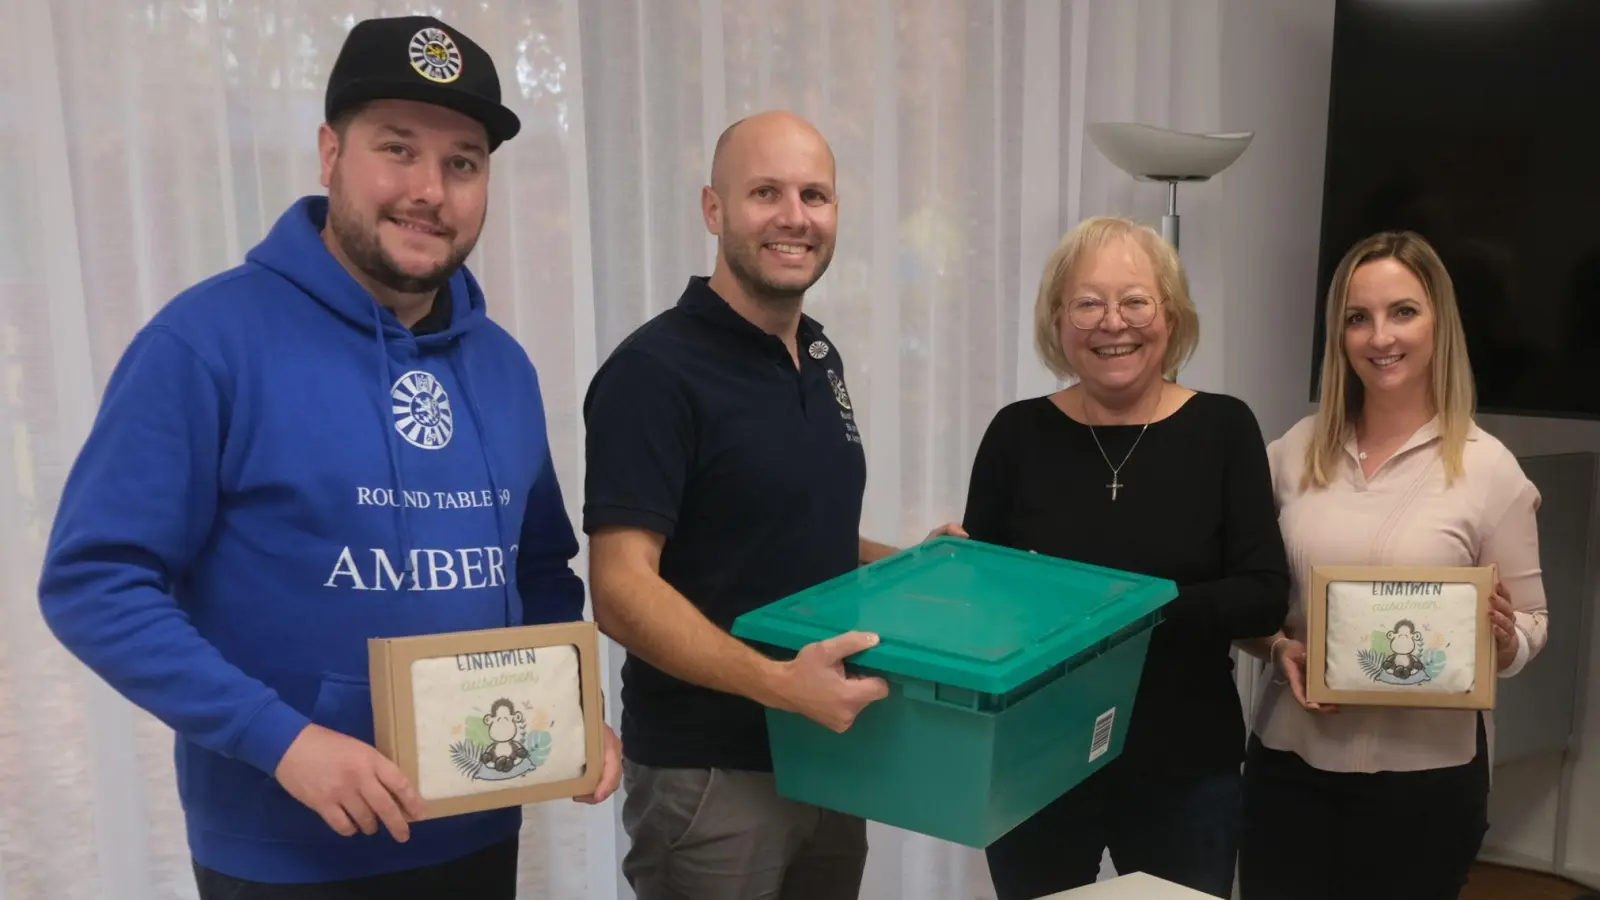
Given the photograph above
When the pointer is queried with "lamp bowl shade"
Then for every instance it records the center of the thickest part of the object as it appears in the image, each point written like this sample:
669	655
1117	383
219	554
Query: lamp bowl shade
1149	153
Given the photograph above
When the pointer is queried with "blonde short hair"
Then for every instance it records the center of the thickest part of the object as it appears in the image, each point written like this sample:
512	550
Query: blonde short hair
1451	388
1183	322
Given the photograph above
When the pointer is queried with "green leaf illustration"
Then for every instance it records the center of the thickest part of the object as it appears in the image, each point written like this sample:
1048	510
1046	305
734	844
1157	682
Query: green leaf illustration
477	732
465	755
1433	662
538	746
1380	643
1371	663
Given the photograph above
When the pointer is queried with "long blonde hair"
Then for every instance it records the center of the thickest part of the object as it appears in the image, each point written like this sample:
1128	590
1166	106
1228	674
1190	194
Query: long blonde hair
1451	388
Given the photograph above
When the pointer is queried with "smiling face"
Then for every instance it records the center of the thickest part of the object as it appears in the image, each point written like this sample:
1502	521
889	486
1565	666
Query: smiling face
1388	330
1114	283
771	203
408	192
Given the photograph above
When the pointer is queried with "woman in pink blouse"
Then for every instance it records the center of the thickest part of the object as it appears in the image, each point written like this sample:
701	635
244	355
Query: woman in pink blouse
1386	802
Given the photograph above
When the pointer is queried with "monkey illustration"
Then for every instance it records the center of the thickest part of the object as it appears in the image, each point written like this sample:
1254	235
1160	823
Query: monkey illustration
505	724
1405	646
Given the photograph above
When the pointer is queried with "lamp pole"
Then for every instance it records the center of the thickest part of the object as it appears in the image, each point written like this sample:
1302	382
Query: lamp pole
1169	222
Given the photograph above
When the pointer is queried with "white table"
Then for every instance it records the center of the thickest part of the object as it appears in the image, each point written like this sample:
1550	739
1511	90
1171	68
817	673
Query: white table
1137	886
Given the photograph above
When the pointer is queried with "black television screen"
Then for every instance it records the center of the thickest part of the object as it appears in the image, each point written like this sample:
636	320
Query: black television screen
1476	123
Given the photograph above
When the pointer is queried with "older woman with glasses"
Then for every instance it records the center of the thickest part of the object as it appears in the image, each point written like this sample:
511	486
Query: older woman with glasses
1129	469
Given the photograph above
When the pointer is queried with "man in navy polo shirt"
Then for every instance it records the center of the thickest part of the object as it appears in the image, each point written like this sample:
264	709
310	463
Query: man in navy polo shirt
725	471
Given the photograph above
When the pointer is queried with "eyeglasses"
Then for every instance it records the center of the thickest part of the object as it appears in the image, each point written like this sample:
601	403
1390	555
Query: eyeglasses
1086	313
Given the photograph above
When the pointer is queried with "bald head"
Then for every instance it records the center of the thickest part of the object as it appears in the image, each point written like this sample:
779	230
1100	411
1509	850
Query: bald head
763	133
772	206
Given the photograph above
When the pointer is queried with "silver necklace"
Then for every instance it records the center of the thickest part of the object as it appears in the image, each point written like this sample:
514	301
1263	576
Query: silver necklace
1116	482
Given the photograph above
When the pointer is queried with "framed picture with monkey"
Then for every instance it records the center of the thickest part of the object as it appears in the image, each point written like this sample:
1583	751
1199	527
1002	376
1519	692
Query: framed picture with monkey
1413	636
489	719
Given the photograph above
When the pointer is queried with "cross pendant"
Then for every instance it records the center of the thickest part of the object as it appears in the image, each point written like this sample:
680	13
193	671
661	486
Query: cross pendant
1115	485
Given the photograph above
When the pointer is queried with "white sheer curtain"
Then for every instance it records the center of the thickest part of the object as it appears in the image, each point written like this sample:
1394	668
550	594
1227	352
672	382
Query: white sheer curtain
148	143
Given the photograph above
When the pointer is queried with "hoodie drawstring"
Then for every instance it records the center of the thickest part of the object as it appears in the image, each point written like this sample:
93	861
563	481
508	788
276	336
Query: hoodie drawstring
494	485
385	376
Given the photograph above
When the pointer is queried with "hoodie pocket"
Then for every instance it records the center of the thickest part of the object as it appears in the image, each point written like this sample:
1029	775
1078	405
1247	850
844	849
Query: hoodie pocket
344	704
232	798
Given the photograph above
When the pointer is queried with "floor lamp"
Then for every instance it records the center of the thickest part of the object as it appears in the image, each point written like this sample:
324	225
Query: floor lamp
1149	153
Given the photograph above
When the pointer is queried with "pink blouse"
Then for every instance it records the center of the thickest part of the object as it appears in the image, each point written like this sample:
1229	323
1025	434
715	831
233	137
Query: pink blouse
1403	515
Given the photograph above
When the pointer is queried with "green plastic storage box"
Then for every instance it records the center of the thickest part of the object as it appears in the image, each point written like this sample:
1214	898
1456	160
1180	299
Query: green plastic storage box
1011	679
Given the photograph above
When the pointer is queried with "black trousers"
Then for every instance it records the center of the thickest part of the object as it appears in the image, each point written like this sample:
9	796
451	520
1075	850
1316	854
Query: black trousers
488	874
1181	829
1316	835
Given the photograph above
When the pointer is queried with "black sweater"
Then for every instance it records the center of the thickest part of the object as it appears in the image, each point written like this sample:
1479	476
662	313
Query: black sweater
1195	505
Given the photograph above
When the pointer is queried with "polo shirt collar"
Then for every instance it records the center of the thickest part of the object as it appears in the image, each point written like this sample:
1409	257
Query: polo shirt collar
704	303
1428	433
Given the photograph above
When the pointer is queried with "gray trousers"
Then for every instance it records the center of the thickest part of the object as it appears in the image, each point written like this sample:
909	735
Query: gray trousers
722	834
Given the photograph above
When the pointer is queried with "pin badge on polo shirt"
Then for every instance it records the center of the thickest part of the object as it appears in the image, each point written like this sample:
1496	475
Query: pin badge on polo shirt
818	349
435	56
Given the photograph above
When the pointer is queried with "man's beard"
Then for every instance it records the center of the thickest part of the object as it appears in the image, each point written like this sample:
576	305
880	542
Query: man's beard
365	251
744	264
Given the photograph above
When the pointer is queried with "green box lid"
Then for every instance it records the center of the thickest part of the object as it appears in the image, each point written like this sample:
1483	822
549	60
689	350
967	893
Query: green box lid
964	613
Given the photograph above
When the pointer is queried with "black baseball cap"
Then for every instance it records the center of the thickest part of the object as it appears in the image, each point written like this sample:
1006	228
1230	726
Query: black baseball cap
419	58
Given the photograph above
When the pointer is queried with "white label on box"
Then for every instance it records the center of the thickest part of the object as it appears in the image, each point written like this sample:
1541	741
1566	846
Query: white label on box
1410	636
487	721
1101	742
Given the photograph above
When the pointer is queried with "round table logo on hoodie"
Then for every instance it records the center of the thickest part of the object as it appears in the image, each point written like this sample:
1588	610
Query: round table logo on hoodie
422	410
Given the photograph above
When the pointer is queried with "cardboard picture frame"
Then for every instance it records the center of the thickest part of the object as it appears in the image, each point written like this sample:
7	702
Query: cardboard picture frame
531	752
1413	597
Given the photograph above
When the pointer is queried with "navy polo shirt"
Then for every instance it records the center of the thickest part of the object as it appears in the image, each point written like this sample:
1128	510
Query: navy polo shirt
700	427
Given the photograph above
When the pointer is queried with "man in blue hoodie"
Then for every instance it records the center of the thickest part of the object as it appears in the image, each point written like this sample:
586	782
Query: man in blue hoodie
327	443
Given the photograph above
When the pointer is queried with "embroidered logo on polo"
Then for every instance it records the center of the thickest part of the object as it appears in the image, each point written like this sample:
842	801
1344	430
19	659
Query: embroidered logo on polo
435	56
818	349
422	410
842	397
839	393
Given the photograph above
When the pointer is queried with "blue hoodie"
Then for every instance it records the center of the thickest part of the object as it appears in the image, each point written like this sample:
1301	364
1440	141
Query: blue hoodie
280	470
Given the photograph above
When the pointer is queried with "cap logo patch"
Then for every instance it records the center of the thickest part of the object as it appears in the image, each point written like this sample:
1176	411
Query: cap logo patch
435	56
